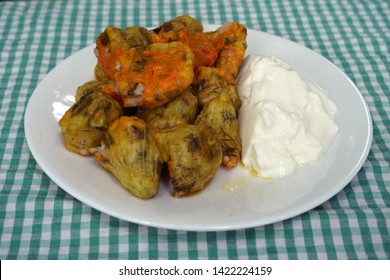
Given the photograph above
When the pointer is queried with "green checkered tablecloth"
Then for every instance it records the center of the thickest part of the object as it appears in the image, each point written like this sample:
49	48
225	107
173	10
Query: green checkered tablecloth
38	220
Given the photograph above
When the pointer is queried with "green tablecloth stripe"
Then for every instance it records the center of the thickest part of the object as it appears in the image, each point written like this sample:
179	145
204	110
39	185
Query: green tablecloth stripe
290	236
250	243
309	233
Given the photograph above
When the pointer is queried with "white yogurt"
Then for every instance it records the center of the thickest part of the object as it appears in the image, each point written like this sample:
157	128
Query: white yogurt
284	121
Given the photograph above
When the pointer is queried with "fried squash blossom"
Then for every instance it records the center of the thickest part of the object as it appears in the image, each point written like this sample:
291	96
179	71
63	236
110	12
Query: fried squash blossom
161	97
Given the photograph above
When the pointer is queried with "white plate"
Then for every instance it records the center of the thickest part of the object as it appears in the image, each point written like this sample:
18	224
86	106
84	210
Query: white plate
234	199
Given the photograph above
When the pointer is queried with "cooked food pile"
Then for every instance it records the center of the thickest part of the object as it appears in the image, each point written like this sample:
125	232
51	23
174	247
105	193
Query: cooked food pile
161	96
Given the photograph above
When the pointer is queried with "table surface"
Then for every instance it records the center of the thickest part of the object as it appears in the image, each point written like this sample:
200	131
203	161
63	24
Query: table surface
38	220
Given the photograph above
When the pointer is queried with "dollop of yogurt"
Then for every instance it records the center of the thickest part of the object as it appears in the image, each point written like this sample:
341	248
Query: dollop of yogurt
284	121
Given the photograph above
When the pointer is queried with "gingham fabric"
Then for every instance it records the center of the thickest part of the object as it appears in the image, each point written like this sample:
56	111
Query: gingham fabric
38	220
